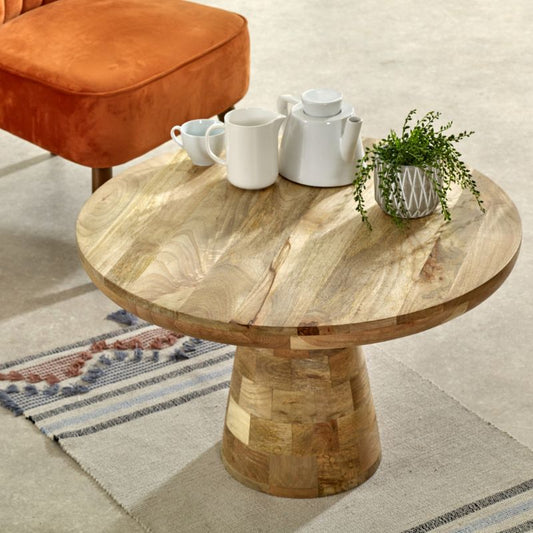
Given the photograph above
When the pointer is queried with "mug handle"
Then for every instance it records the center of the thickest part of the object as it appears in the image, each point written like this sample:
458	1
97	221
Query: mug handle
283	103
212	154
175	136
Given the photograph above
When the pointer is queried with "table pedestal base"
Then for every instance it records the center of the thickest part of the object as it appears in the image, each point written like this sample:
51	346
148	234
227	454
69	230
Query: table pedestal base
300	424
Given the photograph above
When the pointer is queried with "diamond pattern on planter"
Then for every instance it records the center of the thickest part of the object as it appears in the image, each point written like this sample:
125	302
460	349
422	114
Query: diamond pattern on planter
418	194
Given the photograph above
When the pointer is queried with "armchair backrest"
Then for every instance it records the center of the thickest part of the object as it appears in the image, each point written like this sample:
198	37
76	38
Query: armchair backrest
10	9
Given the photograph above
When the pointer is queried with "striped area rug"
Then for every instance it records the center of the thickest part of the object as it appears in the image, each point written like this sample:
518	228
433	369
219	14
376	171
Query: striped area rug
141	410
93	385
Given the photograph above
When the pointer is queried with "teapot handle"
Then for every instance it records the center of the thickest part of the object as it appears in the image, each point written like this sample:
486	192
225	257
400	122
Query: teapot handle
283	103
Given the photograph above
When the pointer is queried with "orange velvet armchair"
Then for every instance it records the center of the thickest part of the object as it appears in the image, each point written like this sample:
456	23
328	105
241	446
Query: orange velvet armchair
100	82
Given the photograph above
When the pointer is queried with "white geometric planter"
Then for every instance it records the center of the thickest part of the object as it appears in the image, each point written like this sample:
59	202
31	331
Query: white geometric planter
418	192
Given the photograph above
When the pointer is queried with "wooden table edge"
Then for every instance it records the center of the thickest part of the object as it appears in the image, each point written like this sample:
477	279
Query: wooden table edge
309	336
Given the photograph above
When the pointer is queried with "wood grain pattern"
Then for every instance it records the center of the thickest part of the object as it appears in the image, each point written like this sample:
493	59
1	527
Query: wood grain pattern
291	276
303	444
290	266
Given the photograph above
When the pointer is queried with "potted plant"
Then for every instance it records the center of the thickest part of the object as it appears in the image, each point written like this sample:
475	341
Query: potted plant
414	172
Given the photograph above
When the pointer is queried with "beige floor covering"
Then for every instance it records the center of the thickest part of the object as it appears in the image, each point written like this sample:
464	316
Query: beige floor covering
148	432
472	61
165	468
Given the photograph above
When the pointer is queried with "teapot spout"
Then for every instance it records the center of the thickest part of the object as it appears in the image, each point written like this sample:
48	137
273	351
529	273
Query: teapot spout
351	144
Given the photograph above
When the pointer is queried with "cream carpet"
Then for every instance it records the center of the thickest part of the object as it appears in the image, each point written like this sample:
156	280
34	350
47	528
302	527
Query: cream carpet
141	411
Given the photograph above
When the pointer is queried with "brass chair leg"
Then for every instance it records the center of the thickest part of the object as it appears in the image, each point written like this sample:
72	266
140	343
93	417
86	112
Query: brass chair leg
100	176
224	113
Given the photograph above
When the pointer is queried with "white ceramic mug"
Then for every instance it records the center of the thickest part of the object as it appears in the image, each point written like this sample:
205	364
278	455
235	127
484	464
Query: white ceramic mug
251	147
193	135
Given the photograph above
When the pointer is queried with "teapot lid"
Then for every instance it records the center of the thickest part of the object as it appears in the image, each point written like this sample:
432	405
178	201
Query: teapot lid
299	113
322	102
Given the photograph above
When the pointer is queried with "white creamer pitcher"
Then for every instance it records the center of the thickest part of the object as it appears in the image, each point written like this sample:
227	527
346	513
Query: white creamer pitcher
251	147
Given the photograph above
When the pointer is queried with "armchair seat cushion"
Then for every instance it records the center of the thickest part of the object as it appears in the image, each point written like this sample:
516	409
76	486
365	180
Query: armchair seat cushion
100	82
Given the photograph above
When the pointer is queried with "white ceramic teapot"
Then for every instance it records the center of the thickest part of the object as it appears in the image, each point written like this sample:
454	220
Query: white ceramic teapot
321	142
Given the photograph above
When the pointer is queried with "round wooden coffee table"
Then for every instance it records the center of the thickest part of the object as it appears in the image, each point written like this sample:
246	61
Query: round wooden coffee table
293	278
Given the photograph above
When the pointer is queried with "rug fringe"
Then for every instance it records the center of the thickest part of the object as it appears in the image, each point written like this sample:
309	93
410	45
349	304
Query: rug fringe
123	317
9	404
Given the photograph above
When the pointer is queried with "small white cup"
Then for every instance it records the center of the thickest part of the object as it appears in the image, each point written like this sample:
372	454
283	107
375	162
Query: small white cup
192	140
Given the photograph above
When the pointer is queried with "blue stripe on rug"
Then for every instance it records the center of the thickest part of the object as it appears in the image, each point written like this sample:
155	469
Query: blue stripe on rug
175	402
471	508
153	395
496	518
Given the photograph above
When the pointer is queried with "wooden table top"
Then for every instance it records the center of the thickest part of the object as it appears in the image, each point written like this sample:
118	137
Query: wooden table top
290	266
